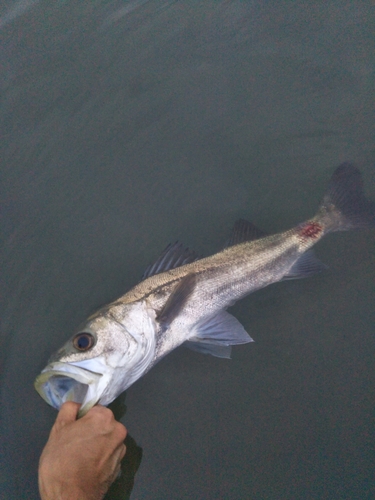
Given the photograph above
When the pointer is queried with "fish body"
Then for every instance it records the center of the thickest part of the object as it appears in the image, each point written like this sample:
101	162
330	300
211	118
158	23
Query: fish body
212	284
183	299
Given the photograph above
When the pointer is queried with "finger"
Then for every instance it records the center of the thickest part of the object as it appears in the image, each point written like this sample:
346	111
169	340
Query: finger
121	431
100	410
117	472
68	413
123	451
119	453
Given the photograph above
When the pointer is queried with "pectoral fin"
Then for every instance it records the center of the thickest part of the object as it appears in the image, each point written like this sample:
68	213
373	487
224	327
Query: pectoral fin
215	335
177	300
219	351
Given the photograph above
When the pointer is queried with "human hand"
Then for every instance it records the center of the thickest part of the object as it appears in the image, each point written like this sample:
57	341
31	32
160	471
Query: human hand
82	457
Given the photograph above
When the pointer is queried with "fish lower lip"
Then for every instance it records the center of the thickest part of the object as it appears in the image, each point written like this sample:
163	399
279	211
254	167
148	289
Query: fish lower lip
61	389
61	382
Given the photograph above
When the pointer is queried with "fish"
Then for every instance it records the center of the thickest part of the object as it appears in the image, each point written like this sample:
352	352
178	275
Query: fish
183	299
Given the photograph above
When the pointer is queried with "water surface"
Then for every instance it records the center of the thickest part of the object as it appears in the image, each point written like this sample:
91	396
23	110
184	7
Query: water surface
128	125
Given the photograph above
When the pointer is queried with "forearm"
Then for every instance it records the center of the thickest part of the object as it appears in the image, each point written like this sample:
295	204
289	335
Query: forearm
57	490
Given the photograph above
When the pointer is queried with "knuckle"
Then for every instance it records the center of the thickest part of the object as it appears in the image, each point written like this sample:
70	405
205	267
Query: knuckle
107	414
121	431
102	413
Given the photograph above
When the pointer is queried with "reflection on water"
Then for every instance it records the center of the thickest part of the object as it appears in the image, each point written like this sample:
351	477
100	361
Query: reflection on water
122	487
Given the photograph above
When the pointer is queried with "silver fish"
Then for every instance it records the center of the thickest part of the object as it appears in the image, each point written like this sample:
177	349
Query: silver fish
183	299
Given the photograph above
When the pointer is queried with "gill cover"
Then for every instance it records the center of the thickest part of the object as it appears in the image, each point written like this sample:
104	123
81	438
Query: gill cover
124	347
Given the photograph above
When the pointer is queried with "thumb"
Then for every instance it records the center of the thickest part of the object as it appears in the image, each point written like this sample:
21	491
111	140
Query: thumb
68	413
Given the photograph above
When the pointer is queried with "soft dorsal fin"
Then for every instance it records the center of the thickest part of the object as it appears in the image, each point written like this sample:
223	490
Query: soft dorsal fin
242	231
174	255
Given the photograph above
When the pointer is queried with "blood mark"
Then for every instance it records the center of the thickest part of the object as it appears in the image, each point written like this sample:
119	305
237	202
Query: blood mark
310	230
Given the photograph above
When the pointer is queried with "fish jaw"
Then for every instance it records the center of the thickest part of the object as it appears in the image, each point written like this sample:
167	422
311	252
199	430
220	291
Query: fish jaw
88	382
62	382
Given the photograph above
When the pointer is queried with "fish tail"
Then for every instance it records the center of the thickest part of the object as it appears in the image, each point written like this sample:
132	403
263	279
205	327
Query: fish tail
344	205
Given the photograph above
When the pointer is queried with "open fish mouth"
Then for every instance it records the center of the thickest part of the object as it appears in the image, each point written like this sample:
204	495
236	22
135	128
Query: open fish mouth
62	382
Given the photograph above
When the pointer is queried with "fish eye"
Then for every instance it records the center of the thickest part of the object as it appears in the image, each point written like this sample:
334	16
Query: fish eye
83	341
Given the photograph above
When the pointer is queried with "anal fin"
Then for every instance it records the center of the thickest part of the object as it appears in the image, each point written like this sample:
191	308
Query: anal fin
307	265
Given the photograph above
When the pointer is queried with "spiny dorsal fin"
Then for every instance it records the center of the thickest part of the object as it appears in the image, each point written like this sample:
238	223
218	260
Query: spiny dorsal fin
242	231
174	255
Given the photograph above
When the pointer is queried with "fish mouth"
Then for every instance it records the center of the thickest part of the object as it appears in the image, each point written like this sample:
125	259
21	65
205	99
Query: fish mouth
62	382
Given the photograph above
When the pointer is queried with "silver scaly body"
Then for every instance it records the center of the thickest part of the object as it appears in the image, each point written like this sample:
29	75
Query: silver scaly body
220	280
183	299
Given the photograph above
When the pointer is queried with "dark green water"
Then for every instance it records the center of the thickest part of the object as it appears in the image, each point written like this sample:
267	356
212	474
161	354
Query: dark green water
128	125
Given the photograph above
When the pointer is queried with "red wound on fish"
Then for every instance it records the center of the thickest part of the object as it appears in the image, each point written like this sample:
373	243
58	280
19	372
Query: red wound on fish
310	230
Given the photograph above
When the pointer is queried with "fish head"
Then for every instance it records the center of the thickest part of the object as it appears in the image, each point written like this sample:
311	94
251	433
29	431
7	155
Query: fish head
102	359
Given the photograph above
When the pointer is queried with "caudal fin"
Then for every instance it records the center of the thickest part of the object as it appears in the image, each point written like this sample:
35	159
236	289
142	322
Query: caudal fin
344	205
